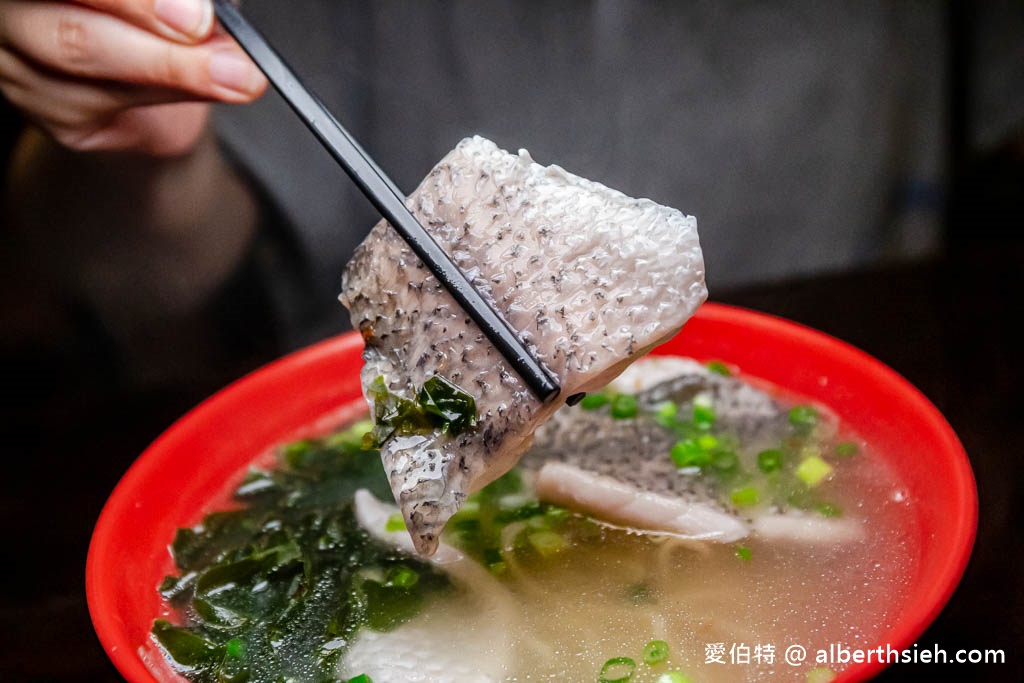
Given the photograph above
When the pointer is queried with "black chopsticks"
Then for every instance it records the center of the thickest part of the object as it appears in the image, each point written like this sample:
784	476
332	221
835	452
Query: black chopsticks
386	196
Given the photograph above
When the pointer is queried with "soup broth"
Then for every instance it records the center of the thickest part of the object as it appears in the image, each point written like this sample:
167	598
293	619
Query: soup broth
608	597
533	591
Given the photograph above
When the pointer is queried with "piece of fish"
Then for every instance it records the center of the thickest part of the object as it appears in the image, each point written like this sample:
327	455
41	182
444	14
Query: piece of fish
616	501
620	471
591	279
797	526
636	451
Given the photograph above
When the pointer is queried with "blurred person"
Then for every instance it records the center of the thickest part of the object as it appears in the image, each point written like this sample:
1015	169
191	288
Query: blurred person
123	216
805	137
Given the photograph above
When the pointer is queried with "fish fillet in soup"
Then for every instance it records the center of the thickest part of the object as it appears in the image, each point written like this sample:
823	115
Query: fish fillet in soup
591	279
619	470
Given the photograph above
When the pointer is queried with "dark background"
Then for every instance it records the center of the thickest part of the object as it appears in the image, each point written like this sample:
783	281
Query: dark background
73	420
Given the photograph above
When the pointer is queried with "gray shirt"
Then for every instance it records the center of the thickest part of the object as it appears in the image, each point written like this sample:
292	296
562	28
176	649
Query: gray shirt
804	136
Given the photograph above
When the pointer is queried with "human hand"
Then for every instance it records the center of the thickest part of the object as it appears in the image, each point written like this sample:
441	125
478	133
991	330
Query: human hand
133	75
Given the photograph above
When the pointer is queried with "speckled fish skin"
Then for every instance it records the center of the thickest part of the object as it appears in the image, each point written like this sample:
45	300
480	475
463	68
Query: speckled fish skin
635	451
619	471
591	279
590	437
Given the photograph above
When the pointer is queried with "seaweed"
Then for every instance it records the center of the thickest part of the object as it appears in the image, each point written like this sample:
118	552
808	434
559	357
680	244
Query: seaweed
277	589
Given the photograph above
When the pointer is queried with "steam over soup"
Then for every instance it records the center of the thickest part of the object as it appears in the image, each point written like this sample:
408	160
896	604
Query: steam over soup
682	516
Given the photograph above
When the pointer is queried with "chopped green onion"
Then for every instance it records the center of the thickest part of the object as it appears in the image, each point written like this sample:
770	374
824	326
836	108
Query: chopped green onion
655	652
769	460
688	453
402	577
707	442
719	368
624	406
617	670
361	678
703	409
547	543
812	470
745	496
828	510
743	552
665	413
594	401
395	523
803	418
822	674
847	448
673	677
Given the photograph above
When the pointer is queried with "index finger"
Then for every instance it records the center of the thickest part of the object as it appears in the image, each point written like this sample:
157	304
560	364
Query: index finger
187	21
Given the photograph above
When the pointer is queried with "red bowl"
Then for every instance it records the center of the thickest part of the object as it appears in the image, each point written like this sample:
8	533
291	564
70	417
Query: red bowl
205	453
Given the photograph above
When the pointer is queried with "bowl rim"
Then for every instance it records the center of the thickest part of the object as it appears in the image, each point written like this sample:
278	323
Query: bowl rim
101	566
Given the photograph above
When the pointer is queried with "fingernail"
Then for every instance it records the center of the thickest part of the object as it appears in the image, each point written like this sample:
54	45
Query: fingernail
231	70
190	17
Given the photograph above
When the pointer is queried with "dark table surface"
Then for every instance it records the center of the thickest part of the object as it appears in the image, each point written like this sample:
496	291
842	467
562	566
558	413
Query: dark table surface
950	327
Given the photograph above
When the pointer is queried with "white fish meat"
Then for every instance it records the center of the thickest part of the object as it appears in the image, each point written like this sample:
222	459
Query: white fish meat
614	500
423	650
795	526
591	279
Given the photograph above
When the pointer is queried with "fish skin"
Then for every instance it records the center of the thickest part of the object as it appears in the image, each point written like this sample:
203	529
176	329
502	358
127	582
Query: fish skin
620	470
635	451
591	279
